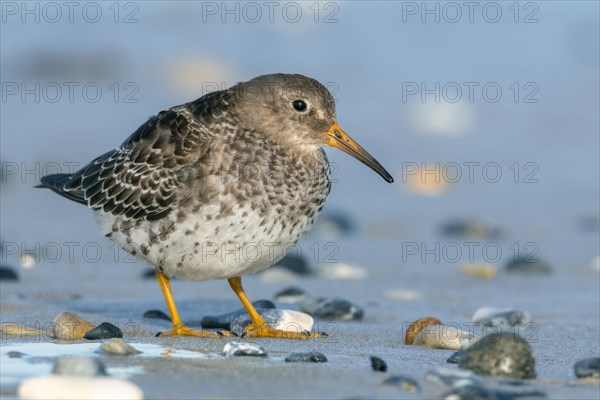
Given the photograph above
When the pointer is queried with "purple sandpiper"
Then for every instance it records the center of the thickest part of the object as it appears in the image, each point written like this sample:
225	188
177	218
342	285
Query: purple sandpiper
219	187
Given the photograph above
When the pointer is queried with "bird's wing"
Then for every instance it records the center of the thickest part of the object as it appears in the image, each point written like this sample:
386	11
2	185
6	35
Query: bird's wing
138	180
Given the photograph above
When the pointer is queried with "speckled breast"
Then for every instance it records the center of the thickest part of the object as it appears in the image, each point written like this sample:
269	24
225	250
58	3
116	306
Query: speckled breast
240	219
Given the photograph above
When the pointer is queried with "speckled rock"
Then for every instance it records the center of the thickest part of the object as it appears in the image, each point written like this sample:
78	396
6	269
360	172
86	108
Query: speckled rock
416	326
223	321
332	309
291	295
119	347
157	314
313	356
589	367
237	349
378	364
78	388
287	320
69	326
527	266
444	337
403	382
105	330
79	366
501	354
500	317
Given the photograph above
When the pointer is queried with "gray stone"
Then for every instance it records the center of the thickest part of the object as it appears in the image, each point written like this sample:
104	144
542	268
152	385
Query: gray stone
333	309
237	349
589	367
453	377
286	320
500	317
105	330
291	295
8	274
501	354
223	321
528	266
157	314
294	263
455	357
79	366
378	364
313	356
119	347
403	382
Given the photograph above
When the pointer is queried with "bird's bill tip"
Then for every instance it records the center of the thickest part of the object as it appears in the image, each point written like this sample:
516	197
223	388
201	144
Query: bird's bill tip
337	138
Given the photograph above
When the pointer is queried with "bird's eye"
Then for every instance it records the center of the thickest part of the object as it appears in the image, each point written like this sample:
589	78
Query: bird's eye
299	105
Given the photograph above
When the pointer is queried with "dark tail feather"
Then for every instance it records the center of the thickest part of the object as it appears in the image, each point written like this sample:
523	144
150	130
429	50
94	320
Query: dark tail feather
57	184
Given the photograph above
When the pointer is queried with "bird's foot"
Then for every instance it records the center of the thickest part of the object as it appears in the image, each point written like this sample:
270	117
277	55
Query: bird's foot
266	331
183	330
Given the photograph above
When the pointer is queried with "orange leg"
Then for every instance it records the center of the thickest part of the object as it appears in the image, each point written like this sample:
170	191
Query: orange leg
259	328
178	327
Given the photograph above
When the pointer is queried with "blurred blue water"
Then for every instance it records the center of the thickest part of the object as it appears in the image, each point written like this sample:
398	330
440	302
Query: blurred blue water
369	55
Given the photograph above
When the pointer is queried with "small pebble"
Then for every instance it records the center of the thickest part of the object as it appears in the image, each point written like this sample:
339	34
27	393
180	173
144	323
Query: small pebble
149	273
416	326
286	320
156	314
444	337
8	274
69	326
589	367
15	354
223	321
79	366
501	354
295	263
403	382
291	295
378	364
455	357
528	266
313	356
119	347
341	271
237	349
105	330
333	309
78	388
500	317
484	271
470	228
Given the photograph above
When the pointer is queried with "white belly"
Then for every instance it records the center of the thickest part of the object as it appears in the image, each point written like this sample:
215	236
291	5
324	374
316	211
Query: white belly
203	248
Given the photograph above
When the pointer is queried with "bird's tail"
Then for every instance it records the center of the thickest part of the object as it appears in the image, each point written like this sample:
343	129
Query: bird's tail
58	184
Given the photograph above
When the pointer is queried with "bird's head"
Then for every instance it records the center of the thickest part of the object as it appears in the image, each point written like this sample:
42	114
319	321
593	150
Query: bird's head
295	110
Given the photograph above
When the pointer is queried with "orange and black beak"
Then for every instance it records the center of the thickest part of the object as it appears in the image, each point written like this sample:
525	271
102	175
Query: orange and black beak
336	137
